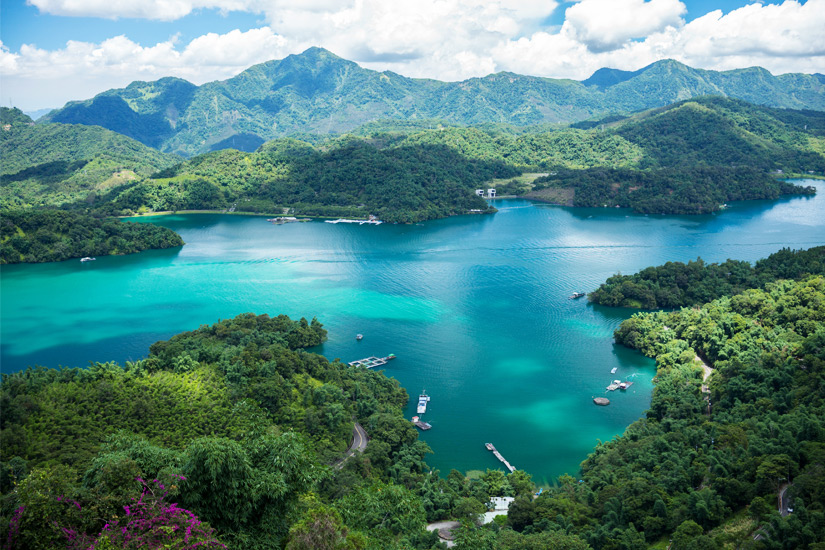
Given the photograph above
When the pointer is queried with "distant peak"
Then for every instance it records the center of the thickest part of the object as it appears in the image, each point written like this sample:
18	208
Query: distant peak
317	52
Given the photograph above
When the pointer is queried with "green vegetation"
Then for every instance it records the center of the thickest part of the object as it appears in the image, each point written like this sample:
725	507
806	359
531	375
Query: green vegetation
61	164
319	93
675	284
34	236
688	158
236	424
353	178
696	190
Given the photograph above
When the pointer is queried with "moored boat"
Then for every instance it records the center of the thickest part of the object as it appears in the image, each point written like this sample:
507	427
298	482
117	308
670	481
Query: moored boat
423	399
87	259
576	295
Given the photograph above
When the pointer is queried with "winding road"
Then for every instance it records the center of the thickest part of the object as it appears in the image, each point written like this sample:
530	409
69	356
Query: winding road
359	443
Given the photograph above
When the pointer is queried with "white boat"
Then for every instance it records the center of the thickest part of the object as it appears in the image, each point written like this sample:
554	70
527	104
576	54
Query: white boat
423	399
359	336
613	370
87	259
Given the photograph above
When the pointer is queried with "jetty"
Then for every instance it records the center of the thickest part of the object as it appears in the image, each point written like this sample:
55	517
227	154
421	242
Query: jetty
359	222
491	447
372	362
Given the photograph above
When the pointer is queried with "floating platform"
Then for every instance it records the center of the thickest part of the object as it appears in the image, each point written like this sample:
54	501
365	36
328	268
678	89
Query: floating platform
619	385
286	219
491	447
421	425
372	362
603	401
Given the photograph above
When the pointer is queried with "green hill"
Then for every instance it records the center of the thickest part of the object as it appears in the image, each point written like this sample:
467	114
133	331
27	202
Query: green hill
319	93
57	164
689	157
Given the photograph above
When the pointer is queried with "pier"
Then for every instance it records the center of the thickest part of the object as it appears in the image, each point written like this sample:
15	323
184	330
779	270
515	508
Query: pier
371	362
491	447
359	222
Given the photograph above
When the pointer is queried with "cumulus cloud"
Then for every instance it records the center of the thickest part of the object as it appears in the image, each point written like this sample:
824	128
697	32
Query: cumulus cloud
607	24
444	39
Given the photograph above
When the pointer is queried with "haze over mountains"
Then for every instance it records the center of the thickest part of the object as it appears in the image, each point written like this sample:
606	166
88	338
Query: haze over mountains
318	92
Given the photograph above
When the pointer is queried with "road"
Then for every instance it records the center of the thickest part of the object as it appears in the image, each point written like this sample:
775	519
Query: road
784	504
359	443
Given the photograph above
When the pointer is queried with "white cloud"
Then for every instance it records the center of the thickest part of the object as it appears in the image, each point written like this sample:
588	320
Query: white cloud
781	38
444	39
607	24
161	10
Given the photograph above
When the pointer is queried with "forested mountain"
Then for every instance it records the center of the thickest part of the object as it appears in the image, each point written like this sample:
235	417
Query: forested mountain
690	157
318	92
56	164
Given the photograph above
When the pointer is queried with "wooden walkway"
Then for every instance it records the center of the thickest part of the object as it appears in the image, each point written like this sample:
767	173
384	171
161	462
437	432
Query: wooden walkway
491	447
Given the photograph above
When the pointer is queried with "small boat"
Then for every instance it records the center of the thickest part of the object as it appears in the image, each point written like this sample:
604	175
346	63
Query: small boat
359	336
613	370
576	295
423	399
489	446
625	385
88	259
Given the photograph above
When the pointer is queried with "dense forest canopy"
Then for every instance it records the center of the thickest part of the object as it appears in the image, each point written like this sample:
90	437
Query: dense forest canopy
688	158
676	284
48	235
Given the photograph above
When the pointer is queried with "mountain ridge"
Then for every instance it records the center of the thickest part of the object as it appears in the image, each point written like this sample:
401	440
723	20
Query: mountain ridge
318	92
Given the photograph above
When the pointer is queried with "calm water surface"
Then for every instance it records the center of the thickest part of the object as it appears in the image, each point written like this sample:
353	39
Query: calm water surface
475	307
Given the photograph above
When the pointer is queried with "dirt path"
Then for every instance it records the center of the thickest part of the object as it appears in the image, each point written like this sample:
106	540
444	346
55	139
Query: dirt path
444	529
706	372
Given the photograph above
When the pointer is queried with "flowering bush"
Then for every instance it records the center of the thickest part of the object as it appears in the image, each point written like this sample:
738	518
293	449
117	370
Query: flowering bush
150	522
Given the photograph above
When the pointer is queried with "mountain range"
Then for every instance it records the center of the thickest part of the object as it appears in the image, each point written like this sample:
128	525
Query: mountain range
317	92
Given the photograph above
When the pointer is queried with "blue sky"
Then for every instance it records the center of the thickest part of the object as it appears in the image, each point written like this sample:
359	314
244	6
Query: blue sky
54	51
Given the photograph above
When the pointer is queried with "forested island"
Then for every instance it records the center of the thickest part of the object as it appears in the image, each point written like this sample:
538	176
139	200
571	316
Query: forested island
49	235
676	284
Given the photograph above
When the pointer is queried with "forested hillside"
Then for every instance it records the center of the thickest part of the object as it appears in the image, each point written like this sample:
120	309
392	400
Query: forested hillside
676	284
353	178
317	92
59	164
688	158
48	235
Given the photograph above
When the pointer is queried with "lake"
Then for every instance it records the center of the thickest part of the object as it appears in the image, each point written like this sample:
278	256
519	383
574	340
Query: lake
475	307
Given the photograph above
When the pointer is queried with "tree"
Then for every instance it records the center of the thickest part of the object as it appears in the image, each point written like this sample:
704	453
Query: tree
321	528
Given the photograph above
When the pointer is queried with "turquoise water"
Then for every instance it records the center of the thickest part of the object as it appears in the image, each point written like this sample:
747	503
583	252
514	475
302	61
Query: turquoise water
475	308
